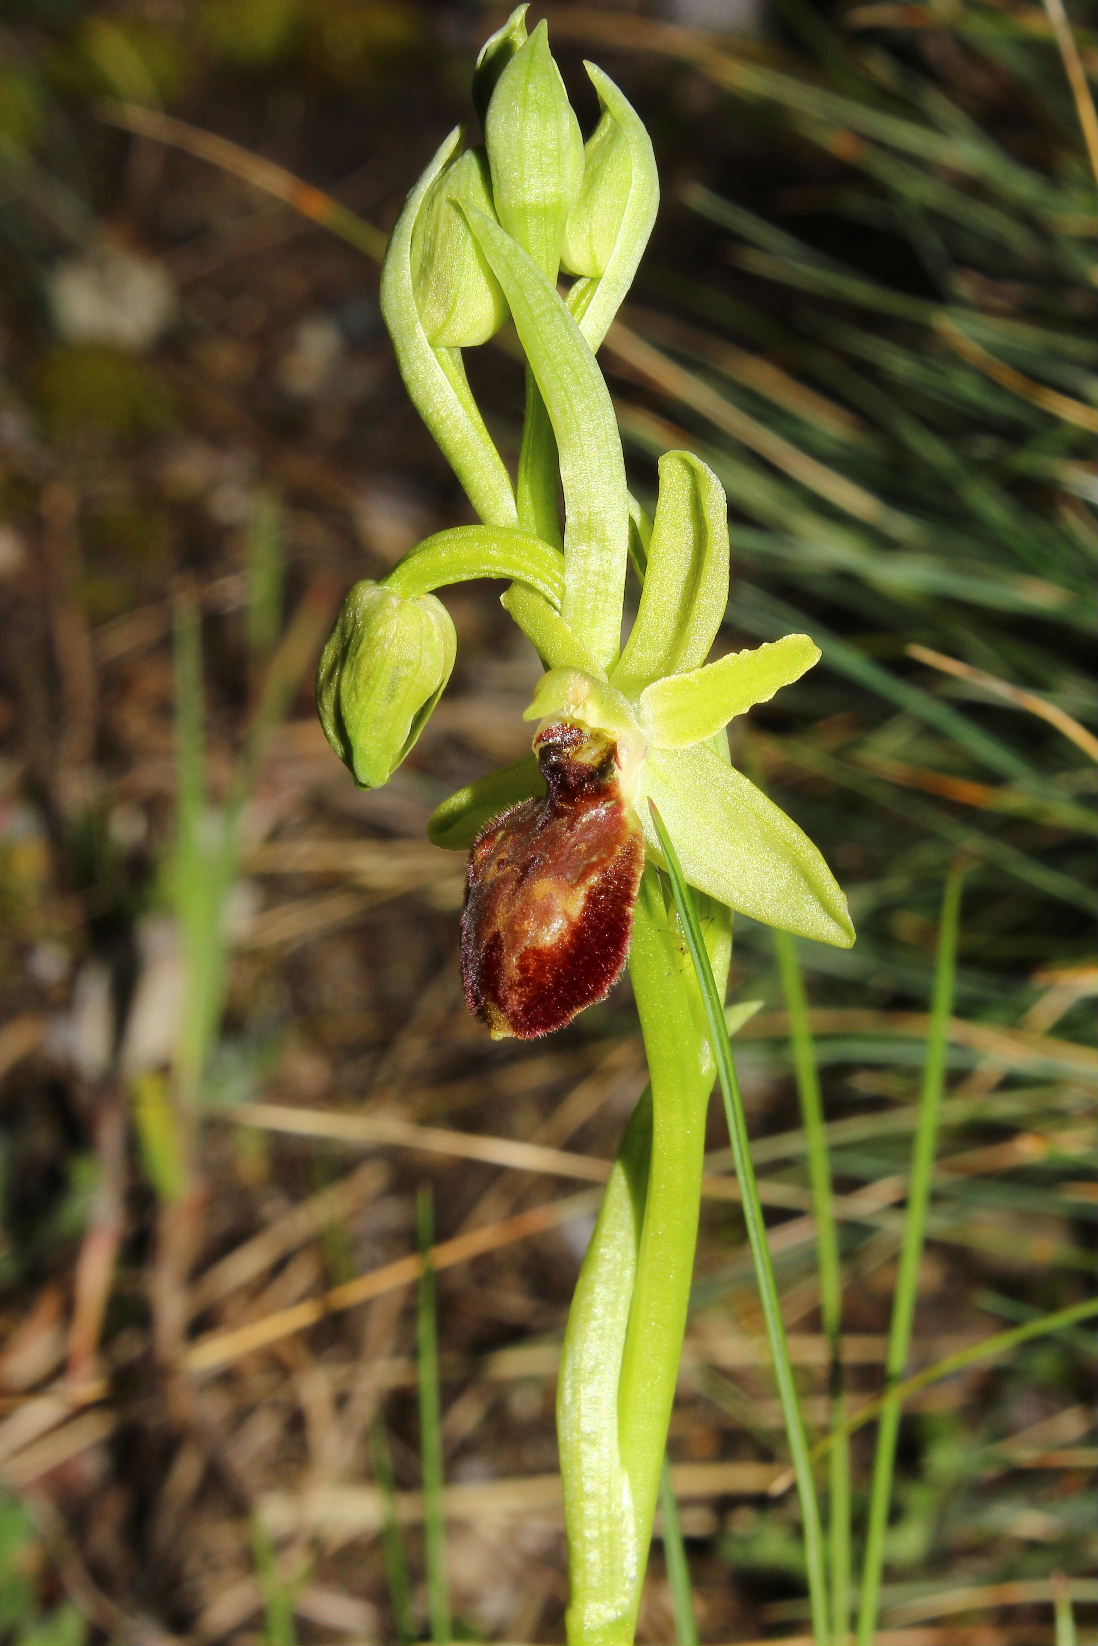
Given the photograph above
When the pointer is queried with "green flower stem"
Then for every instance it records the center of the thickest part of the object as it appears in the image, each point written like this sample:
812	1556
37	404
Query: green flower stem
911	1254
625	1332
435	378
467	552
760	1251
537	487
831	1286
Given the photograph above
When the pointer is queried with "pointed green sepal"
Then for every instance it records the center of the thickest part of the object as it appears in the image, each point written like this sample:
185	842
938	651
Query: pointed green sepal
682	709
609	225
686	583
459	298
458	821
592	468
738	847
535	150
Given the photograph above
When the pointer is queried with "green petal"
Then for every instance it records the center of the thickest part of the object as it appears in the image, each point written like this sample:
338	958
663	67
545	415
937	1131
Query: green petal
686	583
592	468
738	847
682	709
459	820
596	301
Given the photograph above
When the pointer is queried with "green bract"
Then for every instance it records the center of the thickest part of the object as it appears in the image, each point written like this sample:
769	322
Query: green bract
381	673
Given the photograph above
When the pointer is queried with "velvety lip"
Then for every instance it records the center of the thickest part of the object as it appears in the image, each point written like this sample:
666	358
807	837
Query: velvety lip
550	892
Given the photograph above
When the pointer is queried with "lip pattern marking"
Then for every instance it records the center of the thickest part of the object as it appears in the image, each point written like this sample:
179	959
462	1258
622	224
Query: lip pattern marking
550	891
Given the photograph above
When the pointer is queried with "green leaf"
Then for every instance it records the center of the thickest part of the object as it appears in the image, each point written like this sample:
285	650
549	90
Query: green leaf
434	379
535	150
686	583
613	217
682	709
737	846
592	468
458	821
463	553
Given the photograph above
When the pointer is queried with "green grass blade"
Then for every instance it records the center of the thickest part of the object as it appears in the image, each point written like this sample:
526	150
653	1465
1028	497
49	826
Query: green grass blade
430	1429
278	1594
907	1282
1066	1633
393	1549
828	1262
678	1567
815	1554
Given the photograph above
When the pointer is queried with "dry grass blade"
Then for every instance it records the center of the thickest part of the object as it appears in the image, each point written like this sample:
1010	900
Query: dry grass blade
1061	405
1021	698
1073	66
313	203
219	1349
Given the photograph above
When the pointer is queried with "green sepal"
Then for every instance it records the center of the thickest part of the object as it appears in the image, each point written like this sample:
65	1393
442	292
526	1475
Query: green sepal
686	582
381	673
494	56
682	709
457	822
463	553
612	219
459	298
535	151
434	379
738	847
592	468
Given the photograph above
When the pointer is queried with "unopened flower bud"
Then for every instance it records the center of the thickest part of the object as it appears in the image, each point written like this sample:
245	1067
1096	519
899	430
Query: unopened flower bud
535	150
594	222
381	674
459	299
550	891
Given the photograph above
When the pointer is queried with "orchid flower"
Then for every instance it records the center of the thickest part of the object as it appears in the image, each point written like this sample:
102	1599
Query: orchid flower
565	872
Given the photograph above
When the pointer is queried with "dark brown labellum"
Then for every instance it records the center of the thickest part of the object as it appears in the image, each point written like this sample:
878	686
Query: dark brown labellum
550	892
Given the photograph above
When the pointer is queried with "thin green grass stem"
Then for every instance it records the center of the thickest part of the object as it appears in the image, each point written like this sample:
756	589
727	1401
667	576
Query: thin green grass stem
1066	1632
678	1568
394	1553
430	1429
911	1252
814	1546
830	1273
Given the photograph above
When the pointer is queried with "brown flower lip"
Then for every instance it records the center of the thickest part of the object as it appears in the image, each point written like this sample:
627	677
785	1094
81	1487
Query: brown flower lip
550	892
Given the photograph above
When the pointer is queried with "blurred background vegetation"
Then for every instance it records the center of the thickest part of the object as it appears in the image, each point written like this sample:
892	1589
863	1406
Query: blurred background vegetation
233	1043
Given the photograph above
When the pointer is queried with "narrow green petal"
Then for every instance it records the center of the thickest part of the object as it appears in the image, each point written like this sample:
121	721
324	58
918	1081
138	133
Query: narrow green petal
592	468
686	583
600	299
459	820
737	846
463	553
682	709
434	382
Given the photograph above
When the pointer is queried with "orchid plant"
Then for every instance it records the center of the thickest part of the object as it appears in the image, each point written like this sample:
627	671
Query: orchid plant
566	878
